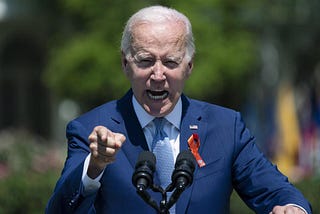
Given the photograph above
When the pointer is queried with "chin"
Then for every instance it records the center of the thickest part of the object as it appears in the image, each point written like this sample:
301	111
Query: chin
157	111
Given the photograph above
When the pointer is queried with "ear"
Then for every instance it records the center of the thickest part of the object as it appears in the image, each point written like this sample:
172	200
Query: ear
189	68
124	62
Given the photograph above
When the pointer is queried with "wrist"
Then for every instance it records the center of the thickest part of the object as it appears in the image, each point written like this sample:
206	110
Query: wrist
95	167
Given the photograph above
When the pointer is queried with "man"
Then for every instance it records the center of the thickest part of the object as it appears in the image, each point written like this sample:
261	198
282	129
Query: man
104	144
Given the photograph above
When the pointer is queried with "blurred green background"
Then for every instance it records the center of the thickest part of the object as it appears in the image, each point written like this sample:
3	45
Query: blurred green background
60	58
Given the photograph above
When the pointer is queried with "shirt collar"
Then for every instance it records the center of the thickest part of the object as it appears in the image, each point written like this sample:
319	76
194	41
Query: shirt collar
144	118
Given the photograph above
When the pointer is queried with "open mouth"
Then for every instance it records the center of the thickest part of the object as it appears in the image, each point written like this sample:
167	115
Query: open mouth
157	95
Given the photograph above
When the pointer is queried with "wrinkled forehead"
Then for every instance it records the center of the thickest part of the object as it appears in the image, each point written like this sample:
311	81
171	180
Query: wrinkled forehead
160	35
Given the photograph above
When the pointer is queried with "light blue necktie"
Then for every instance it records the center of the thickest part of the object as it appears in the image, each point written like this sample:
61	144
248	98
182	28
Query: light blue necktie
162	149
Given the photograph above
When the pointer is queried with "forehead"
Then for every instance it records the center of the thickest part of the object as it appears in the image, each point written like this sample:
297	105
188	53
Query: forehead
159	37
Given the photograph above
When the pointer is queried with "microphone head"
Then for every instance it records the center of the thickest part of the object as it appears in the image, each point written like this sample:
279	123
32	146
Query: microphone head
184	168
186	155
146	158
142	177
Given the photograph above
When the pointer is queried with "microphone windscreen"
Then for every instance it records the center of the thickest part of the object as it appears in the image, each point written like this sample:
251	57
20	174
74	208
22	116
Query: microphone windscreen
146	157
185	155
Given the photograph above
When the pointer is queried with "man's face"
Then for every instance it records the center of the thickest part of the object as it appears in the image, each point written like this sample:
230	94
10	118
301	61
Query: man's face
158	67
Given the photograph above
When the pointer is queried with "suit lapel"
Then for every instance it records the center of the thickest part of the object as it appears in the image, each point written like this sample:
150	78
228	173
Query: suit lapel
191	123
135	142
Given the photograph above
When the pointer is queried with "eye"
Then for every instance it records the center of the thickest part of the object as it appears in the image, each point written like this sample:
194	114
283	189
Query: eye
145	62
171	64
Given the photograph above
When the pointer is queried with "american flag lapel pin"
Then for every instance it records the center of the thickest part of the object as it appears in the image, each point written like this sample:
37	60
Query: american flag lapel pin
193	127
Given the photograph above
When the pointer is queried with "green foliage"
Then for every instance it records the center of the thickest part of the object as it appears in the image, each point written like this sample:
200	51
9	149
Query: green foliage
85	60
29	169
226	49
310	188
84	69
238	206
26	192
84	63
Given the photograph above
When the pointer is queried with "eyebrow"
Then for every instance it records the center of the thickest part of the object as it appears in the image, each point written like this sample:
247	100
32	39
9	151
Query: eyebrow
142	55
174	58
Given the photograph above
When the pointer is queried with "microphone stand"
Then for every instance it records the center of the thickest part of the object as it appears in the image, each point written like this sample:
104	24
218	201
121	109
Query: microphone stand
163	203
147	198
176	194
163	208
181	179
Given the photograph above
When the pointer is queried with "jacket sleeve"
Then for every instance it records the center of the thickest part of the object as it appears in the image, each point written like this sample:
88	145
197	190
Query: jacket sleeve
68	194
259	183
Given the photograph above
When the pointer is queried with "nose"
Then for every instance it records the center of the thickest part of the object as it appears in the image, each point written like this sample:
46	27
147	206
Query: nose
158	71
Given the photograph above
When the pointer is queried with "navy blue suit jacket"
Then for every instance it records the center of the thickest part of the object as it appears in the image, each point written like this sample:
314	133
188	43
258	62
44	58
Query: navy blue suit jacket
232	159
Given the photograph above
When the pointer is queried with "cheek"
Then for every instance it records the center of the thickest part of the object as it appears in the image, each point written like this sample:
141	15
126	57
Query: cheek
177	81
136	74
139	79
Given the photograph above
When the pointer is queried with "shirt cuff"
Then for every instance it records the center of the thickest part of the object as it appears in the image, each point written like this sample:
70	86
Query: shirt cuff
295	205
89	185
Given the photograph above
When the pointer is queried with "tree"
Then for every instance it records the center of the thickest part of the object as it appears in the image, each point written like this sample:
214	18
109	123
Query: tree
85	61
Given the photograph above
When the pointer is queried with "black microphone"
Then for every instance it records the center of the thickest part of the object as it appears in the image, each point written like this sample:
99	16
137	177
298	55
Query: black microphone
182	175
142	178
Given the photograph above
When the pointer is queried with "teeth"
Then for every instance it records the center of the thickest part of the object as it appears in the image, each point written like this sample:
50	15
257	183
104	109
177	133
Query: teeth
157	95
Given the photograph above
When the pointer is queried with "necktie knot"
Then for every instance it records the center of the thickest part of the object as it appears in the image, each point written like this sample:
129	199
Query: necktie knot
158	121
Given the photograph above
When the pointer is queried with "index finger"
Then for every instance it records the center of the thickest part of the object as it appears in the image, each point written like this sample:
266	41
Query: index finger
119	139
99	133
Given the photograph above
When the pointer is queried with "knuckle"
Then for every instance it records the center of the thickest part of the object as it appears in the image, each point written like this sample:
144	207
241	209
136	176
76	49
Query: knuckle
93	146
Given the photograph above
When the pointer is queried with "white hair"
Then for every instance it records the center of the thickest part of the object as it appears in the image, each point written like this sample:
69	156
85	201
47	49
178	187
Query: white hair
157	14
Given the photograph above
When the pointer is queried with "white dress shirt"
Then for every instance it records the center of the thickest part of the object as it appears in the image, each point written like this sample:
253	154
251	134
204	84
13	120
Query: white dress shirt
172	129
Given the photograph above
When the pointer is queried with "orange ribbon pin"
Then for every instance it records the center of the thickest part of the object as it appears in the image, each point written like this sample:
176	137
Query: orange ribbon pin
194	144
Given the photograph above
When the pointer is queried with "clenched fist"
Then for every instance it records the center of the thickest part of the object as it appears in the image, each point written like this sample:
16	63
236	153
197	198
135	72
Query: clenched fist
104	145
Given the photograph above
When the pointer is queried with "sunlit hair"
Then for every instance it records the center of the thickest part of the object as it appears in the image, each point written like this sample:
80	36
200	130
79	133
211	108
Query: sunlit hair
157	14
